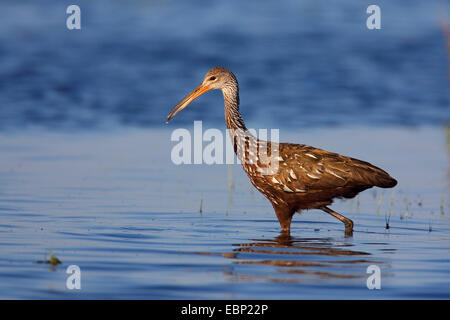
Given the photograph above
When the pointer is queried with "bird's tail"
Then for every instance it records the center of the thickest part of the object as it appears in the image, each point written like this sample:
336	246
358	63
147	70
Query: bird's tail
386	181
374	175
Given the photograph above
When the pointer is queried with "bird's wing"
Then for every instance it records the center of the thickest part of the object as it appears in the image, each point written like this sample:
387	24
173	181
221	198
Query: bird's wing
303	168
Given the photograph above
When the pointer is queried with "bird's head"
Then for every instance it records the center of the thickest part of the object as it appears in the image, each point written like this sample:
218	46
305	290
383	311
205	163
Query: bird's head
216	78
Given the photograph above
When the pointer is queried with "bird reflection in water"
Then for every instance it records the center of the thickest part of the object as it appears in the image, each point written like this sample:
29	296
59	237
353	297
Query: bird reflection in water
298	260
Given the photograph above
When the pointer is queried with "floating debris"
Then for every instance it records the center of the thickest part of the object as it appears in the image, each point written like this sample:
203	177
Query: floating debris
53	261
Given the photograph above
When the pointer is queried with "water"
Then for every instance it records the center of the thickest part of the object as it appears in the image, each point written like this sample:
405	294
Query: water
113	204
133	60
85	170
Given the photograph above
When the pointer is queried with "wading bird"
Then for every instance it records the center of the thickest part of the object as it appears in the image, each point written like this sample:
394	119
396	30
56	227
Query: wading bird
304	177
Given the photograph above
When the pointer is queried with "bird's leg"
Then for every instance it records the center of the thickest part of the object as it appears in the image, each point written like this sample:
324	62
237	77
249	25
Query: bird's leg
284	216
347	222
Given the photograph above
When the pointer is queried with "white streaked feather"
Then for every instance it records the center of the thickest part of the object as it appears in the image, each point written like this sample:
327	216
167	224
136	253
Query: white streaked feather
311	155
292	174
312	176
334	174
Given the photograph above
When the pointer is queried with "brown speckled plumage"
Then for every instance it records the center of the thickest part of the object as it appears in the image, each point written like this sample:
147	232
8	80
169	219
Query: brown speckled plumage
305	177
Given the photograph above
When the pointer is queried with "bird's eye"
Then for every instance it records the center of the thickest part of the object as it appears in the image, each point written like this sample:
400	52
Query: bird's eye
212	78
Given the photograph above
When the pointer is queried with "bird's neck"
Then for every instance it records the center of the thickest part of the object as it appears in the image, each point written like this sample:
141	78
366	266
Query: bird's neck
233	117
240	136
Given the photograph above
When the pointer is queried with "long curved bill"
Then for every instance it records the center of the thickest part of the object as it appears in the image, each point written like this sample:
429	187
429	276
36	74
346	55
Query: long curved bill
186	100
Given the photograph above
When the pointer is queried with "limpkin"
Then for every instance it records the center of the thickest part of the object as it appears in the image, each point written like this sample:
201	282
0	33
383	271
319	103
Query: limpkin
305	177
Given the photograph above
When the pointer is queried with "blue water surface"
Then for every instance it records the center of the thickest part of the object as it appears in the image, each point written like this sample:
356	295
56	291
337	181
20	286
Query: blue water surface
86	172
299	63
